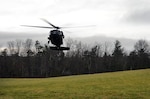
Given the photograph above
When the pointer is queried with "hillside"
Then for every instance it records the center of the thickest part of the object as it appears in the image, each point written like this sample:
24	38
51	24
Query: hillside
128	44
116	85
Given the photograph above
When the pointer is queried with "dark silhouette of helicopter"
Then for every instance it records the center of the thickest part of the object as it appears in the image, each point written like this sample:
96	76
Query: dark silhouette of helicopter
56	36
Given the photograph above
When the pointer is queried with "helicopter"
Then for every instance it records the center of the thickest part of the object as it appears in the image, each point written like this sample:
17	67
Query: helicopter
56	36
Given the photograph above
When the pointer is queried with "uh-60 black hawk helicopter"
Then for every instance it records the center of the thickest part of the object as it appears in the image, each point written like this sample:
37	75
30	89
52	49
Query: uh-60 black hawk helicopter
56	35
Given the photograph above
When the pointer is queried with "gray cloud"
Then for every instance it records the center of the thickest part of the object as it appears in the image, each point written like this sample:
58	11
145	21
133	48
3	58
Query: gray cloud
106	14
140	16
137	11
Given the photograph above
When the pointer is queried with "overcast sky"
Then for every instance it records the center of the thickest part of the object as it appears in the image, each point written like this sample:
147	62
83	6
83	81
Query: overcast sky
113	18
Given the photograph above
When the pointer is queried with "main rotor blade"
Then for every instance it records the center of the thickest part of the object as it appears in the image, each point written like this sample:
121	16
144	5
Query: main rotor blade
80	26
50	23
37	26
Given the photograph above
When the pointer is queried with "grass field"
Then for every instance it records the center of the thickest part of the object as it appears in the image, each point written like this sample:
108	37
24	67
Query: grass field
116	85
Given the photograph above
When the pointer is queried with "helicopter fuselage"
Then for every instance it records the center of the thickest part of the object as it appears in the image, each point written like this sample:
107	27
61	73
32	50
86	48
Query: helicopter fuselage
56	37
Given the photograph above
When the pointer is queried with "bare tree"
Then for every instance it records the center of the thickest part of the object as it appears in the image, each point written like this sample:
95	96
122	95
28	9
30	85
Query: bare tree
98	50
18	46
38	46
107	48
142	45
11	47
72	45
27	45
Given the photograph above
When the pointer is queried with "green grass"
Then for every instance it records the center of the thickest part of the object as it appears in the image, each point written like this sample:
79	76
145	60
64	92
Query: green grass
116	85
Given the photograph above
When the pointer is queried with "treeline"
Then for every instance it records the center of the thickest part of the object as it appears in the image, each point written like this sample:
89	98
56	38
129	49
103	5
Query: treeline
32	59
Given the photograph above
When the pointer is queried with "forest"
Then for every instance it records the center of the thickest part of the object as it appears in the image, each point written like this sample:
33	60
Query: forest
33	59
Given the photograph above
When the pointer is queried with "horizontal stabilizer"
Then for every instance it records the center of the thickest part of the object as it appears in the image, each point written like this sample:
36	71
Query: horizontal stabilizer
60	48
